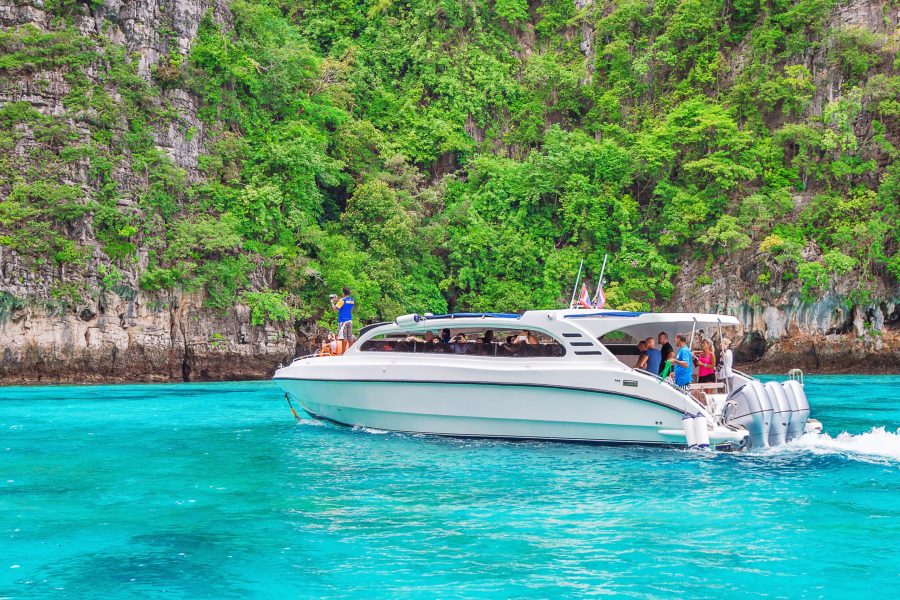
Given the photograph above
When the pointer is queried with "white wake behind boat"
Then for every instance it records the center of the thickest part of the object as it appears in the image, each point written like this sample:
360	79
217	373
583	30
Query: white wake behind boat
545	375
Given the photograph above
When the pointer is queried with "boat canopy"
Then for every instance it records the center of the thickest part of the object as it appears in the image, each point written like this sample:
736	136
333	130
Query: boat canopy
596	323
640	325
428	317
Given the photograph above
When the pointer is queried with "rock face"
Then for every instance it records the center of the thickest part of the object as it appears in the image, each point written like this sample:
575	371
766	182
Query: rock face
780	331
138	337
162	340
116	331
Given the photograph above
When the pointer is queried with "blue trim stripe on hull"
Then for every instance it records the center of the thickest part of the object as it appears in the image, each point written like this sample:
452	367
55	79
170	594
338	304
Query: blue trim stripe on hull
526	385
505	438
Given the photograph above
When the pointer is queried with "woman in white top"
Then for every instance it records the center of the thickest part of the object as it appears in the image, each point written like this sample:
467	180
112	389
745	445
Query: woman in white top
726	374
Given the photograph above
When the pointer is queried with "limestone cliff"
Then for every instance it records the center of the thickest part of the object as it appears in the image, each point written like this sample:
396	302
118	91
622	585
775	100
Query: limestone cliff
95	98
780	330
95	323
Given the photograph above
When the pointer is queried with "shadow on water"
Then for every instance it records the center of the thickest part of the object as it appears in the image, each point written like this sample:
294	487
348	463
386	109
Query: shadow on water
166	562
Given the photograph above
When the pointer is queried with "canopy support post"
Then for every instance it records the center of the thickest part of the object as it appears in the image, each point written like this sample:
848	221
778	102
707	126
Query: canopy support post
577	279
600	281
722	350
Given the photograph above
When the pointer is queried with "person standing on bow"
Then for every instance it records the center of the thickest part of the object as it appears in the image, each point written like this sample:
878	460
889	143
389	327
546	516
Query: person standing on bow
344	307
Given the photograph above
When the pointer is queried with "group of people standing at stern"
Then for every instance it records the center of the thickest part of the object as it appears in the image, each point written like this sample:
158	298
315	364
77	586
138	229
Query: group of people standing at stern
681	362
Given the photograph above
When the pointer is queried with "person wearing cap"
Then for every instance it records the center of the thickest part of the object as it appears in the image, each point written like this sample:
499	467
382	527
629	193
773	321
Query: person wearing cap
344	307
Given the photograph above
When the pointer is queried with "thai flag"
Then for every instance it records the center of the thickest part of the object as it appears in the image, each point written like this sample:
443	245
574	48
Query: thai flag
584	300
600	300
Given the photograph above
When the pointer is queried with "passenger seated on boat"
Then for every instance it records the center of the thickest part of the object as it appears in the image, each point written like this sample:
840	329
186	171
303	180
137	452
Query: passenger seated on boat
550	349
522	338
486	344
642	355
429	337
532	349
459	345
329	346
511	348
445	336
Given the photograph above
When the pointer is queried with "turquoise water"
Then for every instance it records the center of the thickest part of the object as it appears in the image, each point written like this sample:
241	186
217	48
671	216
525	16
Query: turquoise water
214	491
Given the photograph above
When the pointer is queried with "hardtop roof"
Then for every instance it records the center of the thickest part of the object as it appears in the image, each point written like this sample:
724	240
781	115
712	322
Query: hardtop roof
596	322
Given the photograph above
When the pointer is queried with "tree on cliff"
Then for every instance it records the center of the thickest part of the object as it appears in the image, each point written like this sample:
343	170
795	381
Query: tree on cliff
434	154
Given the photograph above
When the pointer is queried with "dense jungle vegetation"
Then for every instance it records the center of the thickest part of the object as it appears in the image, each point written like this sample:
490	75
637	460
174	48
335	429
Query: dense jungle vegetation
465	155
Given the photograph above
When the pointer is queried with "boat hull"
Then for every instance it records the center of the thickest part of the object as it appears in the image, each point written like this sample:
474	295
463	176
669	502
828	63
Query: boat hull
465	409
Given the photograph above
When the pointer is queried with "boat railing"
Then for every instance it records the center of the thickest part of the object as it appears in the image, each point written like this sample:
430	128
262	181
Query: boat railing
796	375
742	374
646	372
305	356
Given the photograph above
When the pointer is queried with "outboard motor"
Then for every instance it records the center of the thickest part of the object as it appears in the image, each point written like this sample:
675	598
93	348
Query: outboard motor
793	390
753	411
782	417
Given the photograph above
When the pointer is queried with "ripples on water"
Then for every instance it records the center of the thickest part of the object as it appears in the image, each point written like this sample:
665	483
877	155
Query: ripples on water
213	490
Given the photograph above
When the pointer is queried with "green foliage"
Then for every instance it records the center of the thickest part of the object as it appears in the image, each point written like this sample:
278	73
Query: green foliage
726	235
838	263
268	306
9	304
28	217
854	50
27	49
813	276
421	154
783	249
513	11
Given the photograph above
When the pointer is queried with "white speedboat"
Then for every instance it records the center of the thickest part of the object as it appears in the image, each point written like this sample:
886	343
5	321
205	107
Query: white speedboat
548	375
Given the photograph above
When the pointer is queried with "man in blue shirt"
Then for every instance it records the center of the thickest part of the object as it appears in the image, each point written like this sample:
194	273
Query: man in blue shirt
654	356
344	308
683	362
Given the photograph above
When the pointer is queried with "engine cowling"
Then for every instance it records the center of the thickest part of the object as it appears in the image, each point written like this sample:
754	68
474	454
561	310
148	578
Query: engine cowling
782	413
753	411
796	397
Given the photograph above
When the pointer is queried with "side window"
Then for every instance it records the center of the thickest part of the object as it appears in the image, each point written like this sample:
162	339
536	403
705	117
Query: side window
500	343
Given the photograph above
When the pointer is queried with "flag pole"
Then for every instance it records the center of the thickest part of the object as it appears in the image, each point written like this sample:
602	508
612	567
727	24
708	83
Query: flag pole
600	281
577	279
